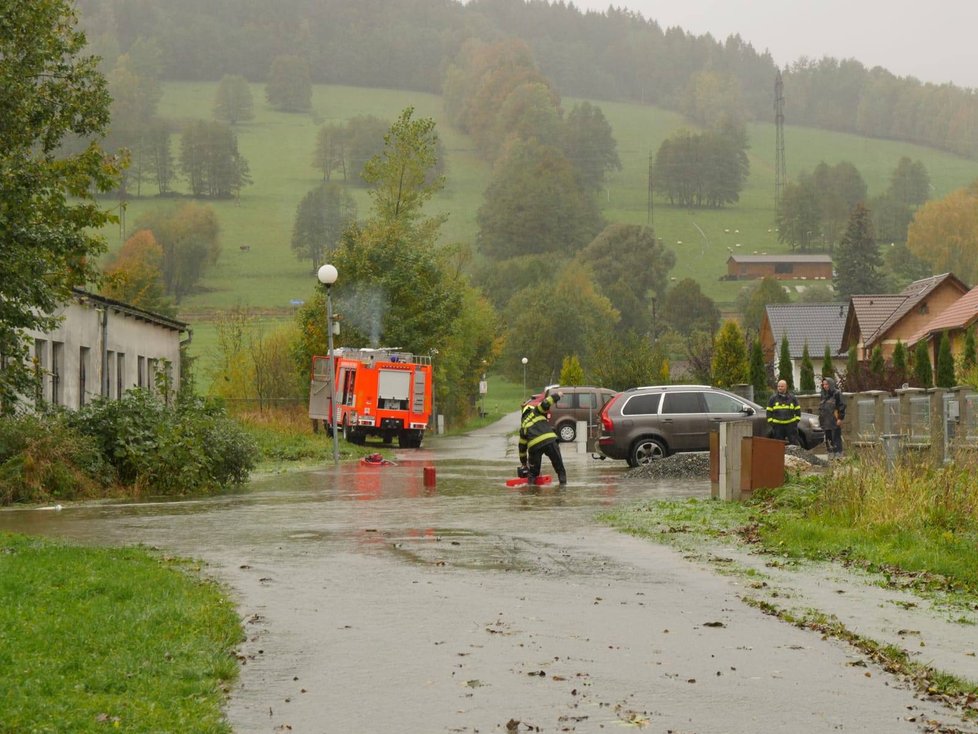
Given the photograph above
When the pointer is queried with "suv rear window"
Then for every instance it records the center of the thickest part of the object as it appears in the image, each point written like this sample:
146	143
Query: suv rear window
717	402
683	402
642	404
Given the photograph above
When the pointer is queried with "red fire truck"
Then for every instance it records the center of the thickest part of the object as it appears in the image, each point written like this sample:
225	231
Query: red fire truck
379	392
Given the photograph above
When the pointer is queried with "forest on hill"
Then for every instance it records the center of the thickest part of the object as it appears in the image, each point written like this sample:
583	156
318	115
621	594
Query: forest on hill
615	55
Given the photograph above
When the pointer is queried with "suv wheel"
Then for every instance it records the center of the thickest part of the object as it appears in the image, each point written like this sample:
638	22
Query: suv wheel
566	432
646	450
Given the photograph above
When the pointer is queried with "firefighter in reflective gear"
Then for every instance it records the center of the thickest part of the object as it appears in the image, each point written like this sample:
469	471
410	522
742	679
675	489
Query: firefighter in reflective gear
537	438
783	414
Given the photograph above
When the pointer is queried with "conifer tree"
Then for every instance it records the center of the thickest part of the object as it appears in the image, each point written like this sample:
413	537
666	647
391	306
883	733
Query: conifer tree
970	356
900	362
758	374
828	369
945	363
785	370
807	376
877	364
852	369
922	373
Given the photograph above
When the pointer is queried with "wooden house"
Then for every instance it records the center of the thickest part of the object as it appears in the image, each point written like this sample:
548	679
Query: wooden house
782	267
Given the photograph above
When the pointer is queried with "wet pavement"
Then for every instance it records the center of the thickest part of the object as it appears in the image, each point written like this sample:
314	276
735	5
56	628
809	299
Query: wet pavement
375	603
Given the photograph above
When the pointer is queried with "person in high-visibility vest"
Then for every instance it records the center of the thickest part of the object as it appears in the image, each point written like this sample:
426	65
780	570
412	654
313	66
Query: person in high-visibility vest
537	437
783	414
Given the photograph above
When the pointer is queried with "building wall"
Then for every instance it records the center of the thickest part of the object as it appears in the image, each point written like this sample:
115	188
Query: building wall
70	357
795	271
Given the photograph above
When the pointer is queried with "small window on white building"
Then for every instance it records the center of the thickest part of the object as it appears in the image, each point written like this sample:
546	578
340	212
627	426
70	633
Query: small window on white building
84	355
120	374
57	373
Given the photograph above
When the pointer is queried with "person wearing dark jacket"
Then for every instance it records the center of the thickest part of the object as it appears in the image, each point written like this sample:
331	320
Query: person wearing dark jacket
831	414
783	414
537	437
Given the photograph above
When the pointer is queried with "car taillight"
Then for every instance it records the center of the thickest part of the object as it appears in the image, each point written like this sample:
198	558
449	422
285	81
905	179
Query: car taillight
606	425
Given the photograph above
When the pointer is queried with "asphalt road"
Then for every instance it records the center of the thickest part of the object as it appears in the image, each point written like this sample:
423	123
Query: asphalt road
375	603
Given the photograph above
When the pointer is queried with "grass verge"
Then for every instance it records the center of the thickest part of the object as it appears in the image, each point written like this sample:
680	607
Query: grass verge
98	639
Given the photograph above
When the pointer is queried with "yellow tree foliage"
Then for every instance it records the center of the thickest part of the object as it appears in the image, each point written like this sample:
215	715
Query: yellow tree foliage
944	234
135	274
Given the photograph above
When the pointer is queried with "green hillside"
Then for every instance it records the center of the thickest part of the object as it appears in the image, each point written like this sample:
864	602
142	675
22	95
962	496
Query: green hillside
279	147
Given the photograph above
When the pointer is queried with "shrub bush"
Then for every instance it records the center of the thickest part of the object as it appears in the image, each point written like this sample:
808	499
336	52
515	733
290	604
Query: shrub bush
192	448
43	459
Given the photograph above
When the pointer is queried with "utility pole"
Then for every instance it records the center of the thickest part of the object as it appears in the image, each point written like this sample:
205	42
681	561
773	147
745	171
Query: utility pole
780	169
649	214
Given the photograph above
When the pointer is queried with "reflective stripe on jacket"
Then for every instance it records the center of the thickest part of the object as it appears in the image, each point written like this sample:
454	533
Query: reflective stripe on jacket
783	409
535	429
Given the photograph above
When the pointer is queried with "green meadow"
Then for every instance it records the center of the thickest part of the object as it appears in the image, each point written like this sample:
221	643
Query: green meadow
265	275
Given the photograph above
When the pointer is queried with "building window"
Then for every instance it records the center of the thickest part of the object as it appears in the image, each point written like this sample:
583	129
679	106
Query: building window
40	370
57	371
110	373
151	374
784	268
84	355
140	371
120	374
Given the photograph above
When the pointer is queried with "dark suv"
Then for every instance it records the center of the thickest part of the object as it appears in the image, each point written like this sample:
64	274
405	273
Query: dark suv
644	423
576	404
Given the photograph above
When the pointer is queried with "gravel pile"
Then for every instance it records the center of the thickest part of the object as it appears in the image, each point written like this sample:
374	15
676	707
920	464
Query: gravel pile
807	456
697	465
678	466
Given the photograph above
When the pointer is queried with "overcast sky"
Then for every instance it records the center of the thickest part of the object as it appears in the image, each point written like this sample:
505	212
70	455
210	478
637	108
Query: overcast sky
933	40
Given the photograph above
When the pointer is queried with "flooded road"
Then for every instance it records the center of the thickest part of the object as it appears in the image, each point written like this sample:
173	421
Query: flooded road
375	603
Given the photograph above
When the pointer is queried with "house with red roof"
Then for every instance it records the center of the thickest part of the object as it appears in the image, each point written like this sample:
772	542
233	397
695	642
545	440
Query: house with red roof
956	319
884	320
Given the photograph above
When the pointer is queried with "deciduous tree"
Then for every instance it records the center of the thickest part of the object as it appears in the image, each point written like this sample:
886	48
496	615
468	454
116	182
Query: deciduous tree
233	102
210	160
730	366
320	220
135	274
611	257
944	234
589	144
533	205
289	86
188	235
49	220
753	301
687	309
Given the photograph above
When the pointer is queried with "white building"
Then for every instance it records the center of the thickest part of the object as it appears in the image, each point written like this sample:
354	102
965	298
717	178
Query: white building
104	347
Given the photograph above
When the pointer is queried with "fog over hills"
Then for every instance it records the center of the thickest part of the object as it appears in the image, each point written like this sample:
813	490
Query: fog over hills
932	42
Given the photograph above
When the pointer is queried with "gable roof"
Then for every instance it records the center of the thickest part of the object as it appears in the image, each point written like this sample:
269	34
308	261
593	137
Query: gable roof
780	259
914	294
959	315
875	315
817	324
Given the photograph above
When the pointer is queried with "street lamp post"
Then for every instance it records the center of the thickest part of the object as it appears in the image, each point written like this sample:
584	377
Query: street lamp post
327	276
524	361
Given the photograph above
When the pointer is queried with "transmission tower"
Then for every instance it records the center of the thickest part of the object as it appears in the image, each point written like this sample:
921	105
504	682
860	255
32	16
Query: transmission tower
649	214
780	169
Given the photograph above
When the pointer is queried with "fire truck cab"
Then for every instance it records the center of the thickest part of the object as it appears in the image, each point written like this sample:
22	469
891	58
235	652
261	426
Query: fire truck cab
378	392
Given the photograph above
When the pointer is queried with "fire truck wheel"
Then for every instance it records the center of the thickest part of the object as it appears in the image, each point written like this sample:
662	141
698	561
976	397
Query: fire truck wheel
352	435
409	440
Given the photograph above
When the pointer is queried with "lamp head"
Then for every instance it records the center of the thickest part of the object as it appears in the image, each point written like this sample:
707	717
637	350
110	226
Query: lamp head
524	360
327	274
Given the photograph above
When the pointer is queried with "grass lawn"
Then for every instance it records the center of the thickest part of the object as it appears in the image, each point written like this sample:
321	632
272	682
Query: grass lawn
98	639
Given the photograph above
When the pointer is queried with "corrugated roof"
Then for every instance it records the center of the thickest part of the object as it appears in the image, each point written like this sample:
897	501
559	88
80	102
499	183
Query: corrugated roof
912	294
780	259
959	315
818	324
